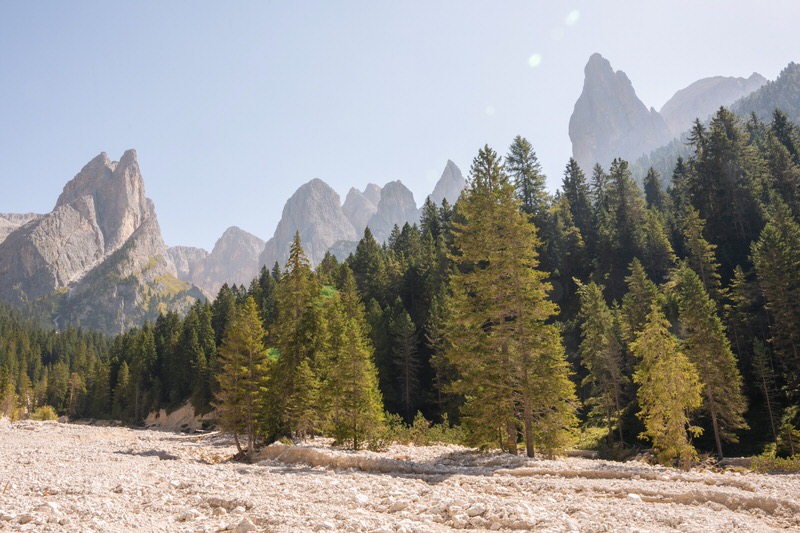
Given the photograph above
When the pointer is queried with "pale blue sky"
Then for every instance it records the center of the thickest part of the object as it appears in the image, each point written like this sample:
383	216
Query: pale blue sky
233	105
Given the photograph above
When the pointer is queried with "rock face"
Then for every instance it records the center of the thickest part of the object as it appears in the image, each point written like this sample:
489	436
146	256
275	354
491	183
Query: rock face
704	97
396	207
315	211
234	259
609	120
449	185
99	253
189	261
359	209
11	221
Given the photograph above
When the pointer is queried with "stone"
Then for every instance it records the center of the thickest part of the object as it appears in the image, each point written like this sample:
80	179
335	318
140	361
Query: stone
396	207
244	526
9	222
610	121
102	245
315	211
449	186
234	259
358	209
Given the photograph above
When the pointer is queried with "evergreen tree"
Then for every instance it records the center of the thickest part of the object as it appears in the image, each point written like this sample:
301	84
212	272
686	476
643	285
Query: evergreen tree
350	389
637	302
654	190
576	191
669	389
707	347
524	168
299	337
243	377
701	253
601	354
776	256
510	360
406	362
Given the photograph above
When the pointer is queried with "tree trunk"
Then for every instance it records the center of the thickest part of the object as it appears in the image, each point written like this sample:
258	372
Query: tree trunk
511	437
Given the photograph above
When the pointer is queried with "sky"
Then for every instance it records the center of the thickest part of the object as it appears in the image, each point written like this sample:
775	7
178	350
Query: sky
231	106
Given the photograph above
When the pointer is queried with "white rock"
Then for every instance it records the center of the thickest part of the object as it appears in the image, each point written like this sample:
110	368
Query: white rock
244	526
238	510
362	499
476	509
397	506
634	497
495	526
325	526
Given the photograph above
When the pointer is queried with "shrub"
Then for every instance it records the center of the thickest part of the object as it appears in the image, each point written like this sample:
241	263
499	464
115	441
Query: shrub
44	412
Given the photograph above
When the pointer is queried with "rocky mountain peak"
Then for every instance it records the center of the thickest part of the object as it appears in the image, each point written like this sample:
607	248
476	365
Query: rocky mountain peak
610	121
359	209
315	211
449	185
396	207
704	97
117	191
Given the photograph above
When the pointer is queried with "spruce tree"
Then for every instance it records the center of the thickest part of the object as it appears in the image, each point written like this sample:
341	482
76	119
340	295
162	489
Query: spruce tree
707	347
776	257
524	168
243	377
299	337
701	253
653	190
669	390
405	359
601	354
510	360
353	405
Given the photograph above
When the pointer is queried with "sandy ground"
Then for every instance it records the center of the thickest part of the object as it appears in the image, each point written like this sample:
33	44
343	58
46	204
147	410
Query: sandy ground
67	477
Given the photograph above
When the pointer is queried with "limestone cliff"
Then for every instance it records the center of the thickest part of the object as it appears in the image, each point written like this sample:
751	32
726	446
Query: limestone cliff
610	121
315	211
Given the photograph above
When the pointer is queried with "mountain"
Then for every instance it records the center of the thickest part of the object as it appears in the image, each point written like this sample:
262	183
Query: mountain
704	97
234	259
610	121
449	185
358	208
11	221
783	94
396	207
316	212
98	257
189	261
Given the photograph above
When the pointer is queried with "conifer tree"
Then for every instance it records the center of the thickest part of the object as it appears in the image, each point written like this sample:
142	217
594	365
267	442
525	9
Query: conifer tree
701	253
243	377
576	191
354	409
510	361
707	347
653	190
601	354
406	362
637	302
299	337
524	168
776	257
669	390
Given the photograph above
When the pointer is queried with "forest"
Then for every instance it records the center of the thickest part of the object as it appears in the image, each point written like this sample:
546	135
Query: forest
661	314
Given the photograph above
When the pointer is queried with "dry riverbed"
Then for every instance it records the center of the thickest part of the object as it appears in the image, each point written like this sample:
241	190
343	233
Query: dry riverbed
69	477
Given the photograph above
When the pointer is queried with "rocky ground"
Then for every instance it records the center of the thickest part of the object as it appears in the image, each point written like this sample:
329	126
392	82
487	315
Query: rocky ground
69	477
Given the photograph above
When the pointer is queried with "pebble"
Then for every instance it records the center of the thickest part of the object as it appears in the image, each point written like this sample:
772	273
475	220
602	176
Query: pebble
634	497
397	506
244	526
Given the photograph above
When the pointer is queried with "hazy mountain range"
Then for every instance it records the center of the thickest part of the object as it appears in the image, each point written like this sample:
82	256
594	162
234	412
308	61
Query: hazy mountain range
98	259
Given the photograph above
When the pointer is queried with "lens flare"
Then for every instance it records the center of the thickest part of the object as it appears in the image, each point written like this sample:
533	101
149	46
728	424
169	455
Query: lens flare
535	60
572	18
